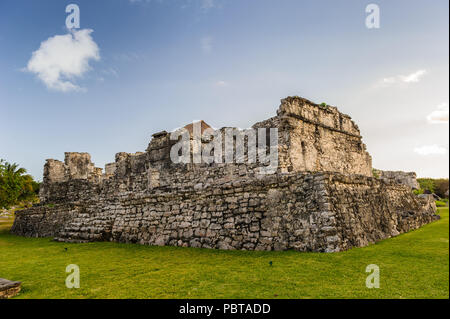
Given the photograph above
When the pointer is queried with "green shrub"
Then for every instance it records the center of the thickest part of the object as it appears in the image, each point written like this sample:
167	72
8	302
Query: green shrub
426	184
375	173
438	186
15	185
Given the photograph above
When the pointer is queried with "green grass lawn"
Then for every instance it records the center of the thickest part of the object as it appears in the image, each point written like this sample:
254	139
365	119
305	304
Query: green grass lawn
412	265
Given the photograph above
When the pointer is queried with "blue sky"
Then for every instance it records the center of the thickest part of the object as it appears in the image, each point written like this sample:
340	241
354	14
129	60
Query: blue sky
164	63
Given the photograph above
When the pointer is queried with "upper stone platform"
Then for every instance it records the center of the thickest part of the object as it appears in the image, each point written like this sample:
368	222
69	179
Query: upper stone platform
311	138
325	116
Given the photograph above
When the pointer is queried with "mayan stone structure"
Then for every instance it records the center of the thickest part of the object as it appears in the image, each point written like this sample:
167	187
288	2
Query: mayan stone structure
322	196
406	178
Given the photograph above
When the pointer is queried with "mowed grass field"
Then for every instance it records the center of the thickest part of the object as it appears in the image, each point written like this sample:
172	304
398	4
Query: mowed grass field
412	265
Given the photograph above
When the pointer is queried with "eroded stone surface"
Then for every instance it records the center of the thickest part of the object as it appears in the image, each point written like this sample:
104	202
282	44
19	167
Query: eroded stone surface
322	197
405	178
9	288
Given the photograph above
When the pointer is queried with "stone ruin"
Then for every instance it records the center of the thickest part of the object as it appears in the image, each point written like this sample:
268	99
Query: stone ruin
406	178
323	196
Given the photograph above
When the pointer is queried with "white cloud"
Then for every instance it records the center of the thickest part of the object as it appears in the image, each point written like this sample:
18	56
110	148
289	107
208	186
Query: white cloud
440	115
430	150
409	78
390	80
206	44
413	77
221	83
61	58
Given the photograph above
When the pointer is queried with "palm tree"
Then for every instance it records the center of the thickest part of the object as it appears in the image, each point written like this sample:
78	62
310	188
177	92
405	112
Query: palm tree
14	170
14	184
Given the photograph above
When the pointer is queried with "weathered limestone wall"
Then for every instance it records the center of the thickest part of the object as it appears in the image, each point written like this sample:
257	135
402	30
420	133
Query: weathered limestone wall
405	178
323	139
368	209
44	220
321	198
307	212
76	167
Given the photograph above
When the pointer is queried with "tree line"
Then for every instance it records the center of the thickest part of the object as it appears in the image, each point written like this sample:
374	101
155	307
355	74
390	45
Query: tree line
438	186
16	186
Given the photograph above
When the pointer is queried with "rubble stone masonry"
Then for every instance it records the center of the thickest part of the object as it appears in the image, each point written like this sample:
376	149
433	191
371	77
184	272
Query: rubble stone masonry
323	196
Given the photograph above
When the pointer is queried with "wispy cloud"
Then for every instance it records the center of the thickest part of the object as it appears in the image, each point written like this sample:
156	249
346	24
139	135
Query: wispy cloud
440	115
140	1
110	71
128	56
204	5
409	78
427	150
62	58
221	84
206	44
413	77
207	4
